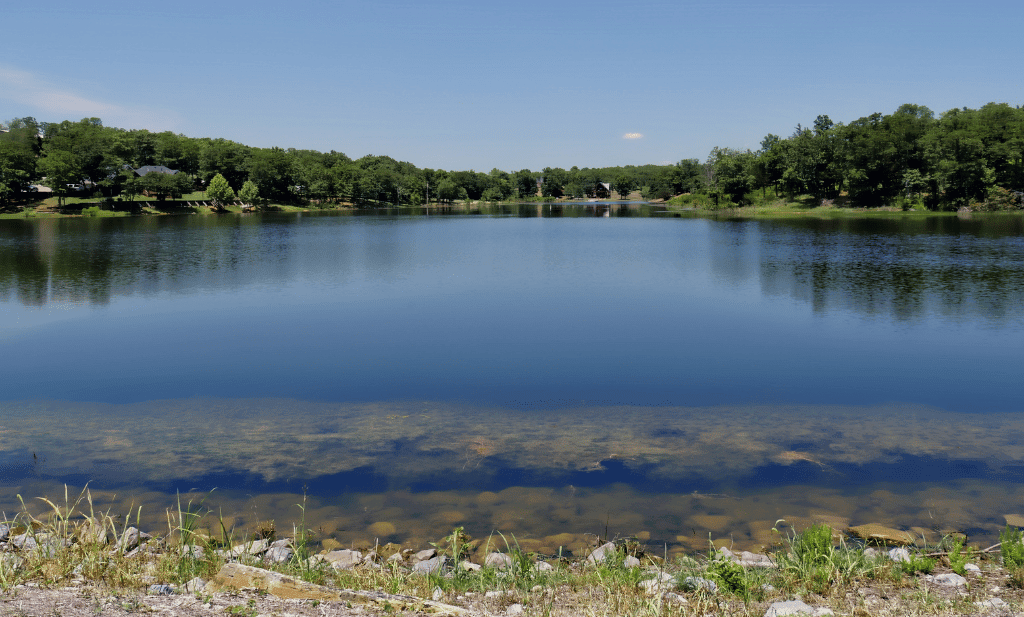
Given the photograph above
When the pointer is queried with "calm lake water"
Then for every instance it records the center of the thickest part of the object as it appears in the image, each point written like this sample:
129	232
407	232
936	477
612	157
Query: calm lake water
546	372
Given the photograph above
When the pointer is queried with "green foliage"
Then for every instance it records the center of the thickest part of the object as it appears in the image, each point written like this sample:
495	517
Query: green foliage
814	545
917	563
957	557
730	575
92	211
220	191
1012	548
692	200
623	185
249	193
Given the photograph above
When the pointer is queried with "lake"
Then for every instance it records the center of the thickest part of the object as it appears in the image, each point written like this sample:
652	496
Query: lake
553	372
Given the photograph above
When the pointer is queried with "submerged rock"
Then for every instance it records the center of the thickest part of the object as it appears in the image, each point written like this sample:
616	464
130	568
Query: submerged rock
880	534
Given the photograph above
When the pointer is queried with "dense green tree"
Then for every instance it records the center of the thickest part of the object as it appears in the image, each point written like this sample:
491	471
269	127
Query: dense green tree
270	169
624	184
224	157
220	191
734	172
959	174
162	185
60	169
525	183
447	191
555	179
249	193
16	169
18	149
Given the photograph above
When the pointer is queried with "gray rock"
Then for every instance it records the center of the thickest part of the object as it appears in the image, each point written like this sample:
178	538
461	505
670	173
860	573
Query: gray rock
543	566
871	552
129	540
469	566
631	562
795	607
24	542
437	595
498	561
601	553
425	554
195	585
694	583
970	567
747	559
992	603
196	552
278	554
899	555
162	590
675	598
396	558
255	548
282	543
344	559
657	585
498	593
949	580
755	560
514	610
429	566
5	532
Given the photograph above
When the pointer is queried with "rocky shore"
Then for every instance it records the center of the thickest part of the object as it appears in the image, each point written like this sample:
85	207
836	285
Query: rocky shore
87	566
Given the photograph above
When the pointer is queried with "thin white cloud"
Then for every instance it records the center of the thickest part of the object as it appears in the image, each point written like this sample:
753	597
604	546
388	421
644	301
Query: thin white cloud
633	136
54	103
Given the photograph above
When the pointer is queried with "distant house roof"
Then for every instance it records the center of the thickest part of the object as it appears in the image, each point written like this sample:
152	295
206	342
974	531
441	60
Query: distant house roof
160	169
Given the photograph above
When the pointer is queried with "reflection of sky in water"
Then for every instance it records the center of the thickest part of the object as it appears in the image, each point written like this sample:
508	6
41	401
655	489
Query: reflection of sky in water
633	311
772	352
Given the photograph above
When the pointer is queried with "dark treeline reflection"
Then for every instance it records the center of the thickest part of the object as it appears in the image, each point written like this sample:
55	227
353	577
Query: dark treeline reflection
900	267
904	267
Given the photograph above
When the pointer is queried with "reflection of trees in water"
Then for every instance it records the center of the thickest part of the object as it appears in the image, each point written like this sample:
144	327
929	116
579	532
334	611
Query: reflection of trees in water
901	267
906	268
92	261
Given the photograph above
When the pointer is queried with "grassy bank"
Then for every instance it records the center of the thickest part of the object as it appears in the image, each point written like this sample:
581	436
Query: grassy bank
71	546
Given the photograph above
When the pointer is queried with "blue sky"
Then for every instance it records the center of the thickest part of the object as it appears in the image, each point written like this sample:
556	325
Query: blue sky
455	84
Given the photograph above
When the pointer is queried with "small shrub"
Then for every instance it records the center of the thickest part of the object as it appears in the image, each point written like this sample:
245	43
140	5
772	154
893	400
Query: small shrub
731	576
957	557
918	563
93	211
1012	548
814	545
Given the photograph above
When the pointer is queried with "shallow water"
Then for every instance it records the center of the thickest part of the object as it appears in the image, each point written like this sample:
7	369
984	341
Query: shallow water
549	377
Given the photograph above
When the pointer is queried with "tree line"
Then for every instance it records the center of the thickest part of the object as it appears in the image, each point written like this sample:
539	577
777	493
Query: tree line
961	158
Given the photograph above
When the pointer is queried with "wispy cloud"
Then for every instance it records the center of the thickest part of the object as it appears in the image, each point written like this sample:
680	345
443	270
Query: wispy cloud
633	136
54	103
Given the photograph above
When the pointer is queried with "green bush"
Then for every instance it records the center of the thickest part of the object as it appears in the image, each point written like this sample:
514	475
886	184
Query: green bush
814	545
93	211
918	563
957	557
731	576
1012	548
